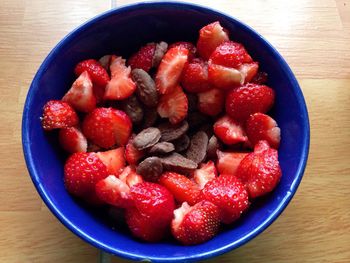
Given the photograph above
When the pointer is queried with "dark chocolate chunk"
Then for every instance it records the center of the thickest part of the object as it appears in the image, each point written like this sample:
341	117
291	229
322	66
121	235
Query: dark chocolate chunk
133	109
146	88
162	148
172	132
150	169
161	49
177	163
146	138
213	146
150	117
198	147
182	143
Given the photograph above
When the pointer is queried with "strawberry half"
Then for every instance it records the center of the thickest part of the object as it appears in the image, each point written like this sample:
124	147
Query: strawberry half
210	37
113	159
205	173
58	114
130	177
72	140
260	170
260	78
170	69
229	194
211	102
142	59
173	105
107	127
248	71
81	95
260	126
195	76
183	189
97	73
228	162
224	77
133	155
196	224
191	48
121	86
229	131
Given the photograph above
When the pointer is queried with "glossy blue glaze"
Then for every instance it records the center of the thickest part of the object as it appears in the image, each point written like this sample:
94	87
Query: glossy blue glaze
122	31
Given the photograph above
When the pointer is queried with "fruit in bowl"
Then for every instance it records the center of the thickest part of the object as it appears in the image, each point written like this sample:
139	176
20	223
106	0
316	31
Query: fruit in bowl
226	87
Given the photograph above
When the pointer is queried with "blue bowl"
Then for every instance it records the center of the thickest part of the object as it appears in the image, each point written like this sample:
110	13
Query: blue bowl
122	31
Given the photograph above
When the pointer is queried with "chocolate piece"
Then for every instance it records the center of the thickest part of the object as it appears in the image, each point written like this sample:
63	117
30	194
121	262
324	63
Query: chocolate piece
150	117
146	138
151	169
133	109
177	163
196	119
162	148
172	132
161	49
213	146
182	143
207	128
198	147
192	102
146	88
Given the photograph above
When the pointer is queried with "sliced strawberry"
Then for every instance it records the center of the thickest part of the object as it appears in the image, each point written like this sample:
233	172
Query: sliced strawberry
130	177
173	106
107	127
97	73
248	71
133	155
81	95
205	173
99	92
260	170
191	48
195	76
72	140
183	189
81	172
249	99
196	224
228	162
113	159
58	114
260	78
142	59
210	37
121	86
105	61
224	77
211	102
170	69
260	126
229	194
229	131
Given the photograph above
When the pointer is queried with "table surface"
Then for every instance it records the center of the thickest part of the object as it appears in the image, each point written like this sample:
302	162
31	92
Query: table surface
314	38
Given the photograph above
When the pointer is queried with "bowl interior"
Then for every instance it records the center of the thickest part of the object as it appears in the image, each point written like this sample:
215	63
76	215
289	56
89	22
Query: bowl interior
121	32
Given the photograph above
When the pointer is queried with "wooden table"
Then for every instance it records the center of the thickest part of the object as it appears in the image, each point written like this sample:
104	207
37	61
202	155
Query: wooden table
313	36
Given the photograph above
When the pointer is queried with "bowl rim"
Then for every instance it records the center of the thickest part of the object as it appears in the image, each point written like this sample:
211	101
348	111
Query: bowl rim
134	256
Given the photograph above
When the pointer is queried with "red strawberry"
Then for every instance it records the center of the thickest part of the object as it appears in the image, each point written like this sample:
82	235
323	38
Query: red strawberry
81	172
229	194
113	159
130	177
121	86
230	54
81	95
195	76
133	155
97	73
260	78
143	57
183	189
191	48
249	99
229	131
173	106
228	162
224	77
72	140
260	170
154	201
107	127
260	126
105	61
99	92
58	114
248	71
210	37
170	69
205	173
196	224
211	102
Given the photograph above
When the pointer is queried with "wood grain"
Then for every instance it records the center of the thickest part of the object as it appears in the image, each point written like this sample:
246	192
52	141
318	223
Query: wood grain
314	38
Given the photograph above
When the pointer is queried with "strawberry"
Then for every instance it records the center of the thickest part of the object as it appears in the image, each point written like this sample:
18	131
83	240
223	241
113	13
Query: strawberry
97	73
196	224
81	95
229	131
249	99
229	194
224	77
121	86
154	201
113	159
228	162
81	172
205	173
107	127
210	37
99	92
142	59
129	176
170	69
105	61
133	155
58	114
72	140
191	48
211	102
173	106
248	71
195	76
260	126
260	170
260	78
183	189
